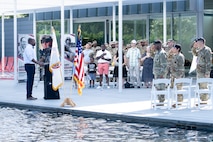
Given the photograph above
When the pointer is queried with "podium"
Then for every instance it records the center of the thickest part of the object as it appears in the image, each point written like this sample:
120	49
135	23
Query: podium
49	93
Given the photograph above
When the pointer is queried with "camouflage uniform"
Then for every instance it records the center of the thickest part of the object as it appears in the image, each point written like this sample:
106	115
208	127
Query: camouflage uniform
142	45
95	49
142	49
113	51
159	70
169	56
112	48
178	71
204	62
126	49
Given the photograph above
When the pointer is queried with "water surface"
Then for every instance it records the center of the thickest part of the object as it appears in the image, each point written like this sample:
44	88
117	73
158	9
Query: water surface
32	126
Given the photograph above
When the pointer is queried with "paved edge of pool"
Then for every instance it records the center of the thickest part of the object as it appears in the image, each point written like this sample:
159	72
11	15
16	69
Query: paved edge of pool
188	125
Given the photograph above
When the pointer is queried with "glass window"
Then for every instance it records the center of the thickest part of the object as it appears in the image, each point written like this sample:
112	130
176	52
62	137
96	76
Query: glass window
66	14
82	13
102	11
184	31
181	28
92	12
133	29
39	16
44	27
109	11
48	15
155	28
133	9
145	8
75	13
156	8
56	15
169	7
91	31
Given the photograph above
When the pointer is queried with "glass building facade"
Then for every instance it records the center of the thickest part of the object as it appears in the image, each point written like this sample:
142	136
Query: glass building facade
140	21
186	20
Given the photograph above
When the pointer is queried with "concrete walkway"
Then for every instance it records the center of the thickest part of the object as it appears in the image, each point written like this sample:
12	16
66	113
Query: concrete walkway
132	105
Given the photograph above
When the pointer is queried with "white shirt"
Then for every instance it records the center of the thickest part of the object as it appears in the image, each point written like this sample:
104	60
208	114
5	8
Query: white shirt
29	54
87	53
107	56
133	55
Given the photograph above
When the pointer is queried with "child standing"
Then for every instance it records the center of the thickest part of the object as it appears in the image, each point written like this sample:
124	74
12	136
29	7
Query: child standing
92	72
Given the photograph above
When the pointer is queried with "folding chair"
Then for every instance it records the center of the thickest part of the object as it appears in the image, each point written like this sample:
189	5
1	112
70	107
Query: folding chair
9	64
155	92
4	65
199	91
182	86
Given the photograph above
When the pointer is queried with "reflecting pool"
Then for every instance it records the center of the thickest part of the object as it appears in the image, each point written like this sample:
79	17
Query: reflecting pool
32	126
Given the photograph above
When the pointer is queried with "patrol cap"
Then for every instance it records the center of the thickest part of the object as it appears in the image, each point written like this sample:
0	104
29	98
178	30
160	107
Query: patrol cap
177	46
97	48
201	39
170	40
89	43
143	40
139	41
94	42
195	40
48	39
157	42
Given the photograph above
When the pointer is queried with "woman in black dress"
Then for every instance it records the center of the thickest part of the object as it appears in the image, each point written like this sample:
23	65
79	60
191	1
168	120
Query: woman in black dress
124	71
147	74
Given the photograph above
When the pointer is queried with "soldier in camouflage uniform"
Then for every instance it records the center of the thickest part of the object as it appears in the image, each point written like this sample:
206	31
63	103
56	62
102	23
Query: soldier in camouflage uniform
204	62
177	68
168	48
160	66
95	47
126	48
114	48
142	44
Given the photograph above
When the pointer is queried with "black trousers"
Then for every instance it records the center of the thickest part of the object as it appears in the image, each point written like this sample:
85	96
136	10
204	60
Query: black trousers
30	69
49	93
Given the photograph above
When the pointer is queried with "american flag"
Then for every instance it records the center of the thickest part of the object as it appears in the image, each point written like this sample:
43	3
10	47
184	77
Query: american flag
79	63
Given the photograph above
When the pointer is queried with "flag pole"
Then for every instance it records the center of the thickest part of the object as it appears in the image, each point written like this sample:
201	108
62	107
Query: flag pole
78	70
67	100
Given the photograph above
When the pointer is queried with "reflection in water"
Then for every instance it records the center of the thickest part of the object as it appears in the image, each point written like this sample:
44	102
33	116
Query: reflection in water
81	126
30	126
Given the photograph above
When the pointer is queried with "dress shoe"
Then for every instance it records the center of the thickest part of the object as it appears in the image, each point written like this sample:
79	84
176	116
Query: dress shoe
159	104
174	105
201	104
31	98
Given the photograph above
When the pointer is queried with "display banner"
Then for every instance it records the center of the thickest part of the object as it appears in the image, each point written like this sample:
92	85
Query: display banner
22	43
69	54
